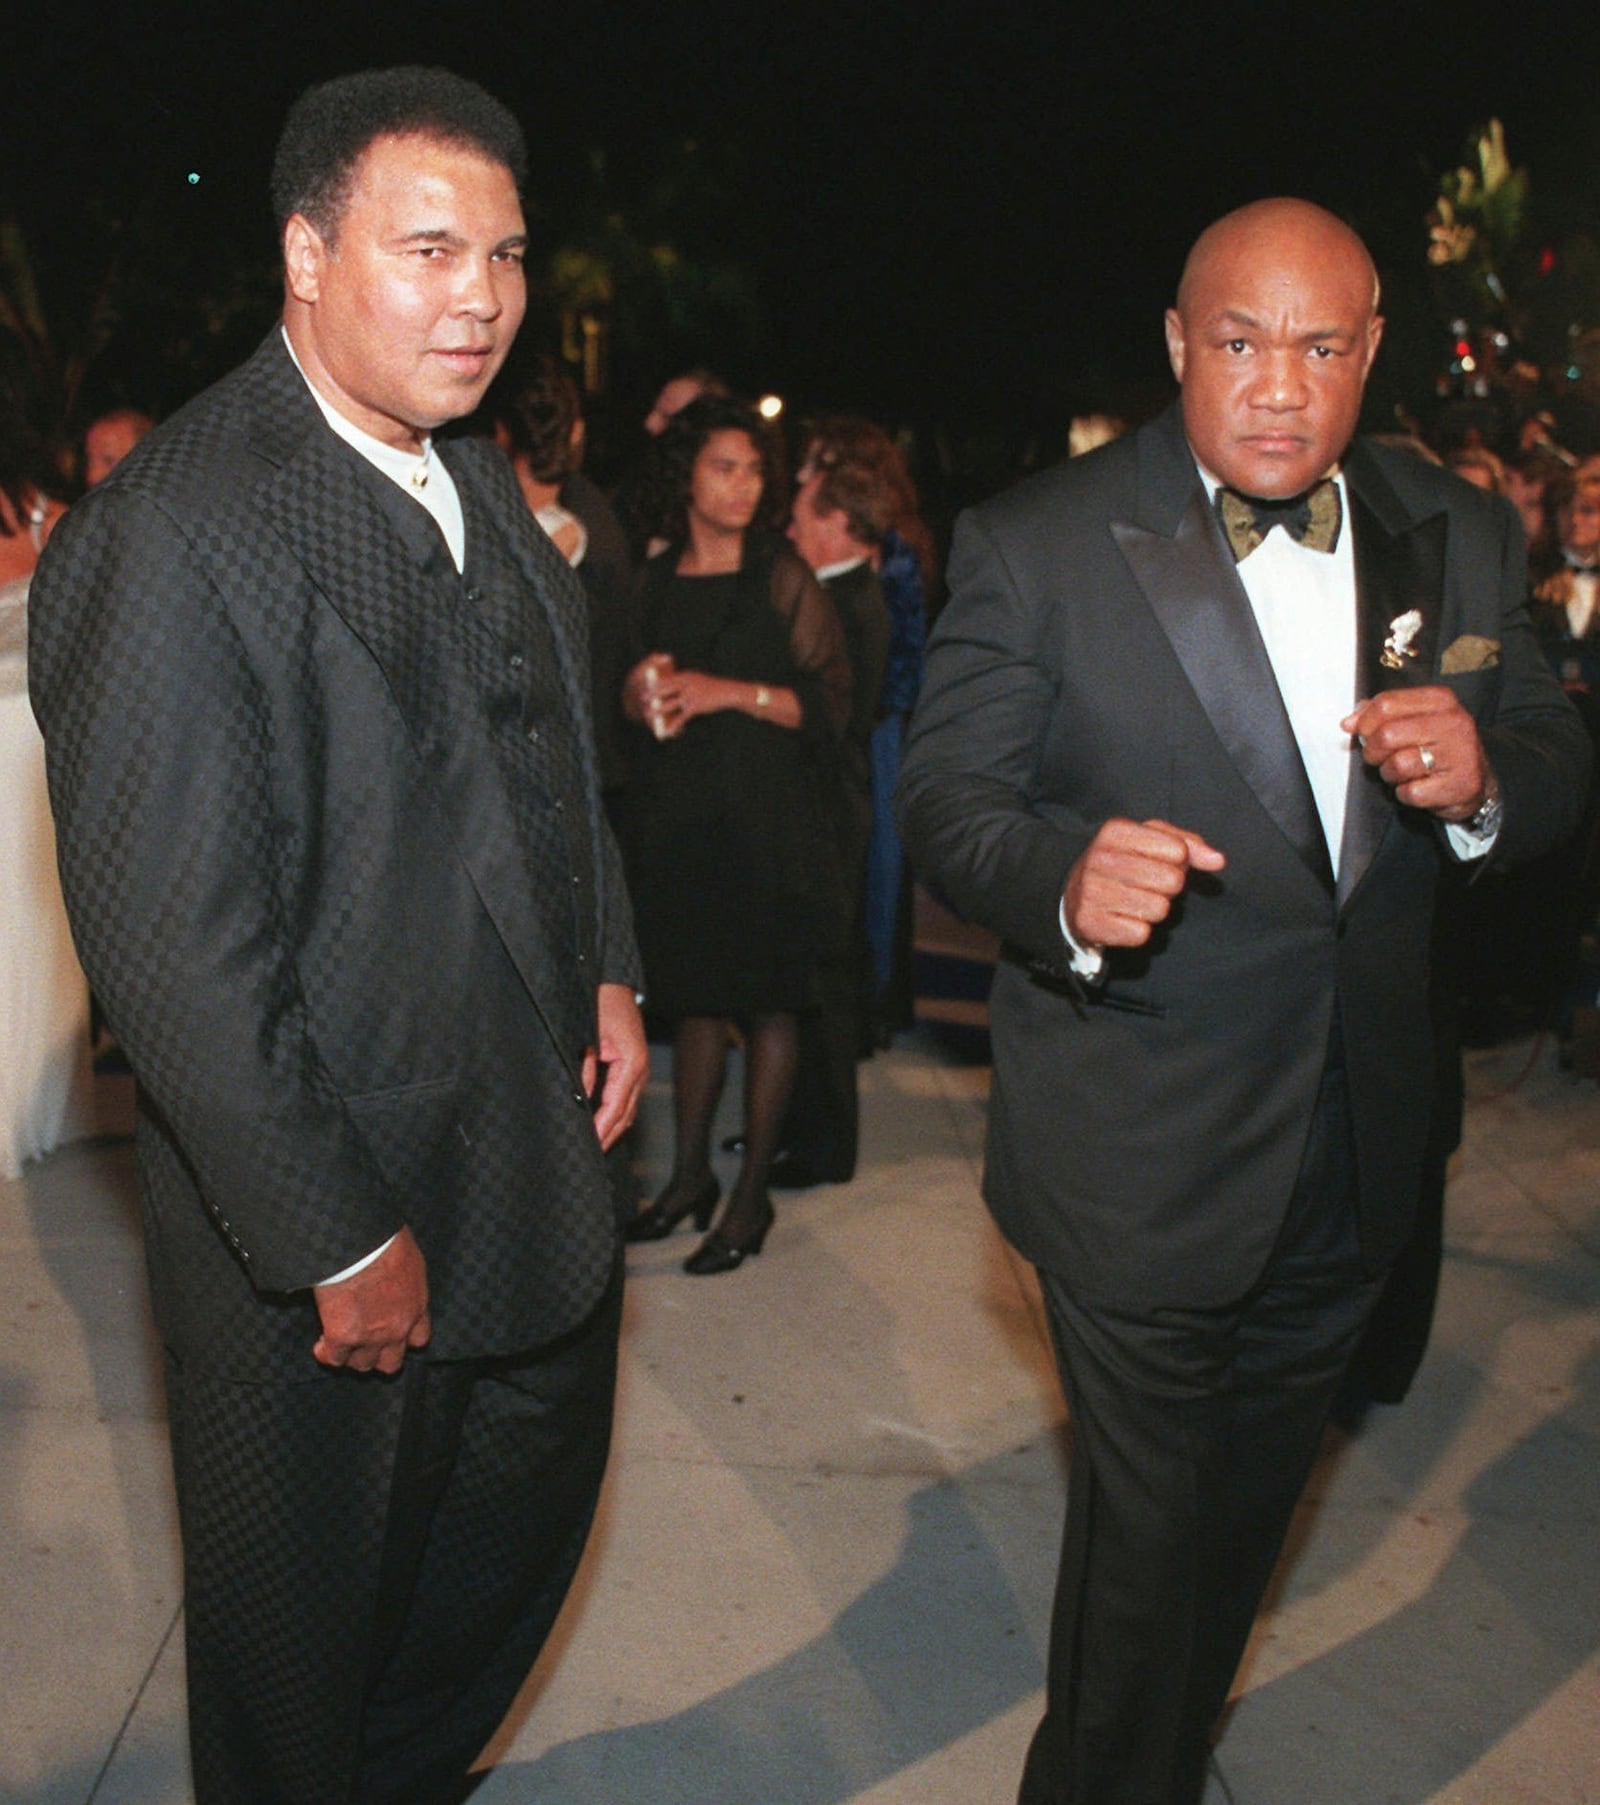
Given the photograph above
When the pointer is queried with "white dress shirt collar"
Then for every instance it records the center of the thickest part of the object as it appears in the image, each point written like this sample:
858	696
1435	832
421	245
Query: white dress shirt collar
420	474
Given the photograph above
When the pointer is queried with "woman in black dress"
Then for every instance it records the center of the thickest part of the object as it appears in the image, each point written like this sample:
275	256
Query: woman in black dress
740	698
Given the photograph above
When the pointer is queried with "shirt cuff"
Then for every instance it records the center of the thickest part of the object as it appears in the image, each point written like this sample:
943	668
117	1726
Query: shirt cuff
1467	845
1087	961
362	1264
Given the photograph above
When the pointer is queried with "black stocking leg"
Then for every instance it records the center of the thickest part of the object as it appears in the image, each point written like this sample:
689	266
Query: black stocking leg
770	1055
699	1062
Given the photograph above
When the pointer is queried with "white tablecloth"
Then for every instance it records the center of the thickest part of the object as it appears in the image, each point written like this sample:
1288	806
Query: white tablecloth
46	1086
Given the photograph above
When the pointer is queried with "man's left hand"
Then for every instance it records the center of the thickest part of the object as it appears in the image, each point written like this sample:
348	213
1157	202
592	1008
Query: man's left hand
625	1055
1426	744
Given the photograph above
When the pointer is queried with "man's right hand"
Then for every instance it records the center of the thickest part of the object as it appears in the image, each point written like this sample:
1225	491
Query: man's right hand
370	1319
1124	882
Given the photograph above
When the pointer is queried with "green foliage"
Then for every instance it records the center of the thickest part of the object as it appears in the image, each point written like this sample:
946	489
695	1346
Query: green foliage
1475	232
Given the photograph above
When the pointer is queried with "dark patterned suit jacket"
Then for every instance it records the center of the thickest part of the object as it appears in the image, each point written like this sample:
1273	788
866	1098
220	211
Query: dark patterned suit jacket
1098	658
331	845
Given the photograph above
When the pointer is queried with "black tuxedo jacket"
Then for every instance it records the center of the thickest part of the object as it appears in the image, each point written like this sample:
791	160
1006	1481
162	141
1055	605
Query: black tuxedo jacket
344	891
1099	658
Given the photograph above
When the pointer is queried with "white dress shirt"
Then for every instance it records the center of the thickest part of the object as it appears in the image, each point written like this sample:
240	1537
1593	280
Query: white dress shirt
1305	606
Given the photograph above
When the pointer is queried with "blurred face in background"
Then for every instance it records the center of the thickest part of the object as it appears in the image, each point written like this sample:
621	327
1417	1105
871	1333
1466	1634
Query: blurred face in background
108	440
1578	522
726	482
1526	495
821	538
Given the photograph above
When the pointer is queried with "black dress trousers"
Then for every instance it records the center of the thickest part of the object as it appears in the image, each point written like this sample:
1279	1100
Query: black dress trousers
1193	1433
372	1564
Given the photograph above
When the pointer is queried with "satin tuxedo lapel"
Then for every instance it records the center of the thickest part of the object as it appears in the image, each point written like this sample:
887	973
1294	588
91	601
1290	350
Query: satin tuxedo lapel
388	588
1180	559
1400	565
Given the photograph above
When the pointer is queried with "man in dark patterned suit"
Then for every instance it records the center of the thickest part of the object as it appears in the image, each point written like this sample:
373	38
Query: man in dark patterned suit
314	694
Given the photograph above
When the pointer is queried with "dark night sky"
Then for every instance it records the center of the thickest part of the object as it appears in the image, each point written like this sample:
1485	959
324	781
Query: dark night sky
952	209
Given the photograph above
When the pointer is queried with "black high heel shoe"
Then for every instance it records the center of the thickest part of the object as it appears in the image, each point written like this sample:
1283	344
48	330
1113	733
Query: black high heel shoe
661	1218
718	1254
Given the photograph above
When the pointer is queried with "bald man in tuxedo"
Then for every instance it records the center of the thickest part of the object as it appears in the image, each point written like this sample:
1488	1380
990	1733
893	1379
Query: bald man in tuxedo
1208	712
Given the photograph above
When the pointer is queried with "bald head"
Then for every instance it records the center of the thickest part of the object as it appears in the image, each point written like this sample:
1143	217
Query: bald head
1272	336
1285	230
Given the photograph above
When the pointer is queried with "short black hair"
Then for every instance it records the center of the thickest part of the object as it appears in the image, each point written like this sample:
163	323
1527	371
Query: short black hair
331	125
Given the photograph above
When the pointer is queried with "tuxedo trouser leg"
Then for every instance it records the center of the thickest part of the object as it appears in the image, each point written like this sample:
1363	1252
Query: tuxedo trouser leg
485	1560
1193	1431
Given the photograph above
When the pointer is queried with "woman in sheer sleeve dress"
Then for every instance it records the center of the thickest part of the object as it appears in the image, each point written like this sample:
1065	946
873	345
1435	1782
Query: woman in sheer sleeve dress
740	697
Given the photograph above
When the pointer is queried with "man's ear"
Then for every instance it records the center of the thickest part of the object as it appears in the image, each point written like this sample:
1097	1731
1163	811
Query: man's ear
304	255
1374	339
1175	342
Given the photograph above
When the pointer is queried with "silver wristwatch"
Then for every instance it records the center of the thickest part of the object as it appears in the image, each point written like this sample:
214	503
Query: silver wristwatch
1491	812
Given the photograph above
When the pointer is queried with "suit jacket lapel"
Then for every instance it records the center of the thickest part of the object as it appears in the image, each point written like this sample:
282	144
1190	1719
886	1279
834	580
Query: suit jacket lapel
1399	569
382	575
1181	561
339	529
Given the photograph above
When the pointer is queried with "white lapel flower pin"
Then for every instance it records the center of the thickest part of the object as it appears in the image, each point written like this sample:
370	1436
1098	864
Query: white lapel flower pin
1398	647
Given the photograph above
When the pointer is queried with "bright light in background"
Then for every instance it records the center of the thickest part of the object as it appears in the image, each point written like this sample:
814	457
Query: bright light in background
770	406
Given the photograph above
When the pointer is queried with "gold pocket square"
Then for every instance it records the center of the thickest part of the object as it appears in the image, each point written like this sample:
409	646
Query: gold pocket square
1471	652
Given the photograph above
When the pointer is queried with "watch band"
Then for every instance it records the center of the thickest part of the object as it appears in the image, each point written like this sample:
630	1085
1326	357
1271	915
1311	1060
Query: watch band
1491	812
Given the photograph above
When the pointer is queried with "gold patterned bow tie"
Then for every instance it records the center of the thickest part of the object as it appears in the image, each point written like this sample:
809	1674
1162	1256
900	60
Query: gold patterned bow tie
1313	518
